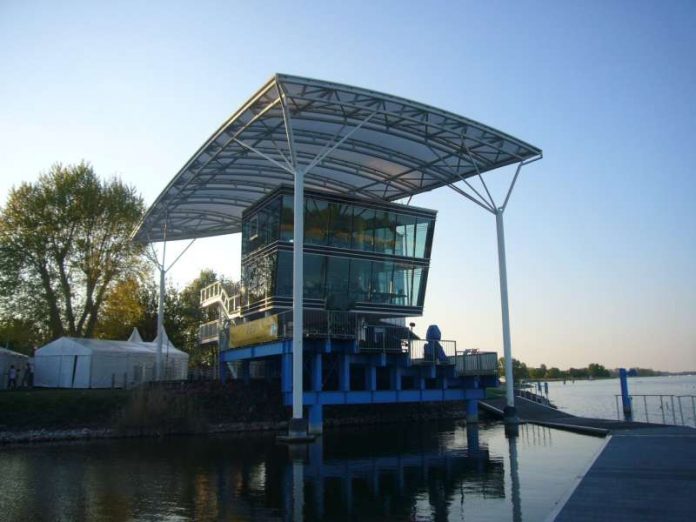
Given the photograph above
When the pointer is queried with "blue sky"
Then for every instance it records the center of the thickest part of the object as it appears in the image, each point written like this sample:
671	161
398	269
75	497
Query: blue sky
600	234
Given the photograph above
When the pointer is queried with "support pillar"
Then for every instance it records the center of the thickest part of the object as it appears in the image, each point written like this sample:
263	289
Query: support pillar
298	425
286	373
344	372
316	414
396	378
371	378
160	316
316	419
472	411
510	413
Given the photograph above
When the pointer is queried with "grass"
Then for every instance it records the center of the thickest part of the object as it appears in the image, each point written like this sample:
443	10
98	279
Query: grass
60	408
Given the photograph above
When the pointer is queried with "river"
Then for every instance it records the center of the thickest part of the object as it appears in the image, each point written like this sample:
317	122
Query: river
416	471
597	398
427	471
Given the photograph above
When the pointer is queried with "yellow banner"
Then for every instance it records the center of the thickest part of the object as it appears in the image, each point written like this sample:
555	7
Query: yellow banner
253	332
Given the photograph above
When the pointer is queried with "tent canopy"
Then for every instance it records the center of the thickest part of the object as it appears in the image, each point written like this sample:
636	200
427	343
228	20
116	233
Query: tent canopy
79	346
346	140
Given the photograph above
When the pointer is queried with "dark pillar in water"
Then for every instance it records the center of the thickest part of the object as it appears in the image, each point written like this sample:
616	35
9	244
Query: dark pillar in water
625	397
472	437
472	411
316	415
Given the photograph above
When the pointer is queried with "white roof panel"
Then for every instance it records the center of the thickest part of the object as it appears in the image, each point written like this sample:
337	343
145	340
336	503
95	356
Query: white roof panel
349	140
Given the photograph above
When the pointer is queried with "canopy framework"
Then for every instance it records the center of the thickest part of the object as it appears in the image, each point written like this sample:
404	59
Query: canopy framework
347	140
337	139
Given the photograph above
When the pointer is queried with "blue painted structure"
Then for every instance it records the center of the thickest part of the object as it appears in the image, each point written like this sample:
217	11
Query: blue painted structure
625	397
337	372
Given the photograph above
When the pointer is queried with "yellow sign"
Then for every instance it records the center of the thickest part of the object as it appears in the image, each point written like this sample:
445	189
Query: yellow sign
253	332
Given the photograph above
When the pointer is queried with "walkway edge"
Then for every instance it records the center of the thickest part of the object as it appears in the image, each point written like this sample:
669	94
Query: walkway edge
578	479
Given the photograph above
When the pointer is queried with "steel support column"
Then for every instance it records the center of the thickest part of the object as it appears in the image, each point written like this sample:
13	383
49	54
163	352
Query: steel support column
297	302
507	348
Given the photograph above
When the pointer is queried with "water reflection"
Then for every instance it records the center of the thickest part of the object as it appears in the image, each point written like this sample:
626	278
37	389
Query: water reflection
404	472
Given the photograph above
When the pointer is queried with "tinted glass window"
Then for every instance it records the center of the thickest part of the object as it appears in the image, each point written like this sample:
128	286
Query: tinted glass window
316	221
385	228
422	236
382	287
363	229
284	277
337	274
360	279
286	219
405	236
340	225
314	275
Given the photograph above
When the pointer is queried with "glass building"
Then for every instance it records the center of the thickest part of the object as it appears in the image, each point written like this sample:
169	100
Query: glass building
359	256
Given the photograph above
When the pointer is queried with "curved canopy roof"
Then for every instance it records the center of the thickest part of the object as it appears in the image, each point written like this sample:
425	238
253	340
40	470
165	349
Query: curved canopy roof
347	140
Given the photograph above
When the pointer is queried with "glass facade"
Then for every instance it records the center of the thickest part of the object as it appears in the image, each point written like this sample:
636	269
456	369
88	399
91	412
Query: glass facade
340	225
383	261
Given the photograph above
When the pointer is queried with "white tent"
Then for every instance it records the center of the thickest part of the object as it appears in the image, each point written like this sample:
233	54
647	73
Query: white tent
174	361
92	363
9	358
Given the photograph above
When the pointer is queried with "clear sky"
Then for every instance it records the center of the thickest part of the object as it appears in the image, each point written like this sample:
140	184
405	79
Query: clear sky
601	234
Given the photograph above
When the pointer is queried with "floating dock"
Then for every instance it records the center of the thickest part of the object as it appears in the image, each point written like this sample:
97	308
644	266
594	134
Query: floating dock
643	472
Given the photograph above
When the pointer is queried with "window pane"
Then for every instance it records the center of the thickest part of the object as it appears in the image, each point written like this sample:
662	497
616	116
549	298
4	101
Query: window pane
360	278
286	219
384	232
403	284
382	285
363	229
422	236
284	278
316	221
337	272
418	292
273	224
340	225
313	275
405	236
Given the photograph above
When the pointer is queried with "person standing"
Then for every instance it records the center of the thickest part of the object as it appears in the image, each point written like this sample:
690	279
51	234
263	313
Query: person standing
12	378
28	377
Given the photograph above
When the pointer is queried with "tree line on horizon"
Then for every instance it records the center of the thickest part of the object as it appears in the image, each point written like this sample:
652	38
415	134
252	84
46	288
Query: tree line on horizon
592	371
69	268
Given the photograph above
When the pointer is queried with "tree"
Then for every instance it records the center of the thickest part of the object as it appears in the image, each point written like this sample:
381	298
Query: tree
64	244
597	371
519	369
125	307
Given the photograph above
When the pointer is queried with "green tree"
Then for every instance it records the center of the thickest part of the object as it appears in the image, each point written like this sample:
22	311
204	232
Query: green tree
553	373
125	307
20	335
597	371
519	369
64	243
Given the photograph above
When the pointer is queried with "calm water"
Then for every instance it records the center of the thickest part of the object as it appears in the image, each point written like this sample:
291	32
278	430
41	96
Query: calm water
597	398
399	472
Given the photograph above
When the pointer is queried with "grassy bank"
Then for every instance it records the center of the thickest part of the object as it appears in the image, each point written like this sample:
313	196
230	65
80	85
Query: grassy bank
162	408
59	409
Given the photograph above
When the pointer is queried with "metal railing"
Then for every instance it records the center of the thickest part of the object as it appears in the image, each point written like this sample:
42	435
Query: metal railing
669	409
208	332
217	293
477	363
443	352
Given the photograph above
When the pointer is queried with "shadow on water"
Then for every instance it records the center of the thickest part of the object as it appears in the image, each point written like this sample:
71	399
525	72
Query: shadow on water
429	471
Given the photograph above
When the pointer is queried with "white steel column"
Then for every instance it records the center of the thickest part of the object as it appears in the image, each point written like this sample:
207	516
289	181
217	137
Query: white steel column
509	378
160	316
297	301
